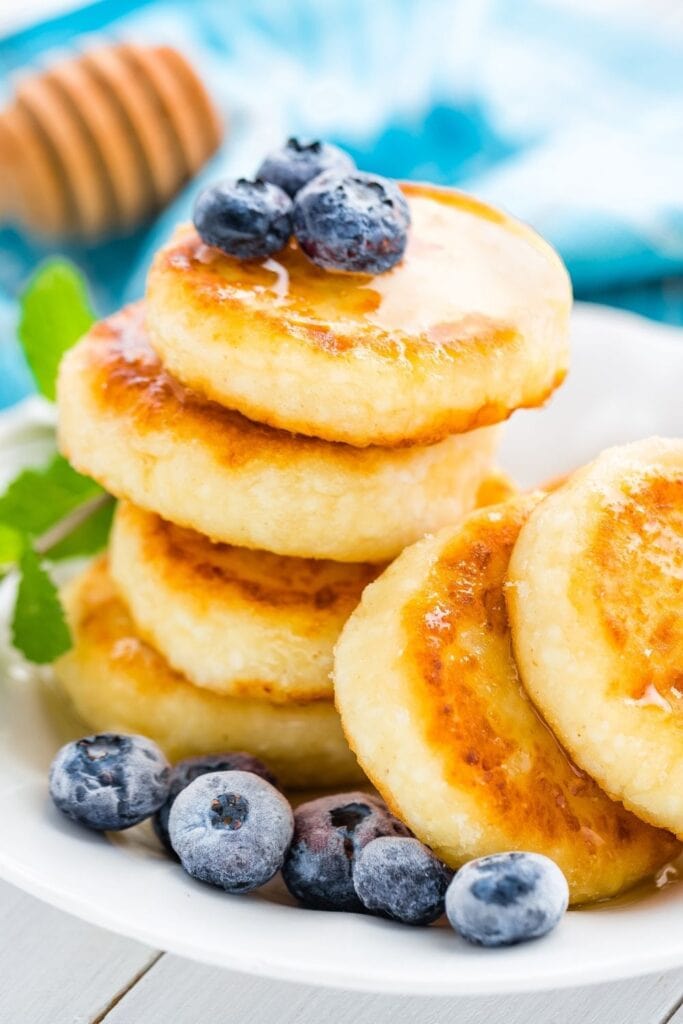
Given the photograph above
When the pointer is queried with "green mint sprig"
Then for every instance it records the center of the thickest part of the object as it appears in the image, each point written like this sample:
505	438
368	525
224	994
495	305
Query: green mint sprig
39	628
55	313
51	512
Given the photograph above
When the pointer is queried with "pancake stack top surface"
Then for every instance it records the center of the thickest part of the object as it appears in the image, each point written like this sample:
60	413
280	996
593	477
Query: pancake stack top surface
277	432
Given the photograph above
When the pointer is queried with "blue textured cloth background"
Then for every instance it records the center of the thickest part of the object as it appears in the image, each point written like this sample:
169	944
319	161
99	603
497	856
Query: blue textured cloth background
571	120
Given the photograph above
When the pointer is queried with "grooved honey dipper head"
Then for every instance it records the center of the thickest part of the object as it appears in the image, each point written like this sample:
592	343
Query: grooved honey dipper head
97	143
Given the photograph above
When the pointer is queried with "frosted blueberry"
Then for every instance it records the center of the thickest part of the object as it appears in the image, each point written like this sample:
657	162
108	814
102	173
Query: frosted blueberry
402	879
189	769
231	829
296	163
328	834
247	219
507	898
357	222
109	782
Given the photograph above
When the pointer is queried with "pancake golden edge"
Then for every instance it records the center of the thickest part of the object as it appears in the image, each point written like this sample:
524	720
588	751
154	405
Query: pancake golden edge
433	707
471	325
240	622
117	682
132	427
596	607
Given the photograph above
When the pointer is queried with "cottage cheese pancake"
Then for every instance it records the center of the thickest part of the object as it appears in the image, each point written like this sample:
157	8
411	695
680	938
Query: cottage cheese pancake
240	622
471	325
596	605
117	682
126	422
432	704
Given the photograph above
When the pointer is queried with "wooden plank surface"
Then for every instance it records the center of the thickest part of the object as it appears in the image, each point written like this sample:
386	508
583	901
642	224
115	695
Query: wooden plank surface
55	969
179	992
676	1015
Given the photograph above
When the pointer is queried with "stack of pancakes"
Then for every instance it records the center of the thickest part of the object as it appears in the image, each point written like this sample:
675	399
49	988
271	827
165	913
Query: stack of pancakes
277	433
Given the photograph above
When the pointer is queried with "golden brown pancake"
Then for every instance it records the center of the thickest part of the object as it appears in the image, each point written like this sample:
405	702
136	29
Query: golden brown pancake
117	682
434	709
471	325
596	605
126	422
240	622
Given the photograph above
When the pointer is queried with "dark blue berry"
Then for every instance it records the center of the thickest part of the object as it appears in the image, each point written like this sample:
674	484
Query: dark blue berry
328	835
296	163
186	771
247	219
401	879
507	898
357	222
231	829
109	782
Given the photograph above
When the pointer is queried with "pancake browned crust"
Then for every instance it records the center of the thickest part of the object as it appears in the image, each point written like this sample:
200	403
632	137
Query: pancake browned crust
596	605
126	422
117	682
240	622
433	706
471	325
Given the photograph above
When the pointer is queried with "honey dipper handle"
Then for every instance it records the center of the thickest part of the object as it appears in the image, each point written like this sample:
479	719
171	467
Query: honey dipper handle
8	190
95	144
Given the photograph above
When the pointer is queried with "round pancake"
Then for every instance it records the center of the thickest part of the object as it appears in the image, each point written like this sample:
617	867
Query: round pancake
240	622
471	325
124	421
117	682
432	704
596	606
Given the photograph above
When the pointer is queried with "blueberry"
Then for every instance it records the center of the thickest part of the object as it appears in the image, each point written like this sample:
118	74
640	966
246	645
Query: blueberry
328	834
296	163
186	771
400	878
109	782
358	222
247	219
507	898
231	829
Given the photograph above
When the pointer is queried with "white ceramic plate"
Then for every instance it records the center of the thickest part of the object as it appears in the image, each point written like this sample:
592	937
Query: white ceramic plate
625	384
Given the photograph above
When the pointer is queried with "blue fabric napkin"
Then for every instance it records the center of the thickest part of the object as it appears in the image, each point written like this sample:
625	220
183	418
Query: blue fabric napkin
568	117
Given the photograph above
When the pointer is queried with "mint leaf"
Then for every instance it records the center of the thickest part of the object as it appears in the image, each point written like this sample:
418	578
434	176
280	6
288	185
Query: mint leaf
39	498
39	629
88	538
55	313
11	545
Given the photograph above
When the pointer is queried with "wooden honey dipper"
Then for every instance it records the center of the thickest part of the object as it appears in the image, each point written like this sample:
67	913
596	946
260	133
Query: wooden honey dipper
97	143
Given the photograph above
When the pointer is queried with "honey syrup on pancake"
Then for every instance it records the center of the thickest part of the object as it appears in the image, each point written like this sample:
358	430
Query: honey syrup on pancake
421	304
667	877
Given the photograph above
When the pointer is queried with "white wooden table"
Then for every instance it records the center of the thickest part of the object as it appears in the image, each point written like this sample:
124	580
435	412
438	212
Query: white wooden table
54	969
